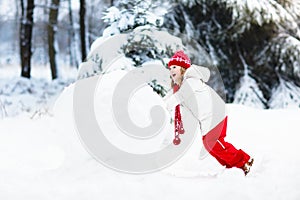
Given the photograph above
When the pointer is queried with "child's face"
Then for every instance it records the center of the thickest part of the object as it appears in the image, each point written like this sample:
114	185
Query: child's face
175	73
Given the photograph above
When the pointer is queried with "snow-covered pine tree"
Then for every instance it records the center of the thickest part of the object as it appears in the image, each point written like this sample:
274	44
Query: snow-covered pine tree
264	34
147	15
285	95
248	92
257	28
283	59
135	25
126	15
144	17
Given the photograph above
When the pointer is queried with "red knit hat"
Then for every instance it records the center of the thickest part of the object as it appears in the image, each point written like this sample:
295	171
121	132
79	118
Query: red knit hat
180	59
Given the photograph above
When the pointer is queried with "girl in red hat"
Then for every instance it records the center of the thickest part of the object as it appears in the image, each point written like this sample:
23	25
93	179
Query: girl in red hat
188	83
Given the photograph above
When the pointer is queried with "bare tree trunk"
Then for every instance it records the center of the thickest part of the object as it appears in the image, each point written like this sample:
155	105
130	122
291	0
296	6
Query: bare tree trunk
89	25
52	27
82	30
71	38
25	37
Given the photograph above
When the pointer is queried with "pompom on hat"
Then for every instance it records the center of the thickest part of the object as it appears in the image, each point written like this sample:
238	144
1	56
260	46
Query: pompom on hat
180	59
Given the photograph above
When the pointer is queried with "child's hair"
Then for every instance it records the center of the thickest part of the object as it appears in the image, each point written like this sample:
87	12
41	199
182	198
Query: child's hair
182	70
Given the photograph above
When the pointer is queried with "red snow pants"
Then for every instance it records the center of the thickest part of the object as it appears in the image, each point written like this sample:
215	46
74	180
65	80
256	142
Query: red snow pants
223	151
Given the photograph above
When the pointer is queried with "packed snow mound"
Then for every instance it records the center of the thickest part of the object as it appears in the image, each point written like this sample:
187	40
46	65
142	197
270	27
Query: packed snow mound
139	108
46	154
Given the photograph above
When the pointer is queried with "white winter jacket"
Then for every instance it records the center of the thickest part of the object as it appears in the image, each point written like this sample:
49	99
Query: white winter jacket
200	100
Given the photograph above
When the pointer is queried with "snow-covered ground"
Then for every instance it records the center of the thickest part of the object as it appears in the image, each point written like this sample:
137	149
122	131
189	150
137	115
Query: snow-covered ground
31	97
43	158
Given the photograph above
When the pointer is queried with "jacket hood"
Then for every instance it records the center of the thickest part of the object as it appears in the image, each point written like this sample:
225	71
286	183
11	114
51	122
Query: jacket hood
198	72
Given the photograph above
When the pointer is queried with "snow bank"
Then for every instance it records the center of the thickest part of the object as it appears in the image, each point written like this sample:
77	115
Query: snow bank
31	97
43	158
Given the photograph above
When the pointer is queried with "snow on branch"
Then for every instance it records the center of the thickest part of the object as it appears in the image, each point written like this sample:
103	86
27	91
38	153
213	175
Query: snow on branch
259	12
129	15
285	49
283	55
286	95
292	6
126	51
249	93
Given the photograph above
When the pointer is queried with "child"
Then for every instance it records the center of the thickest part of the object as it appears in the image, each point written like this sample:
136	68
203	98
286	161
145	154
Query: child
188	81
